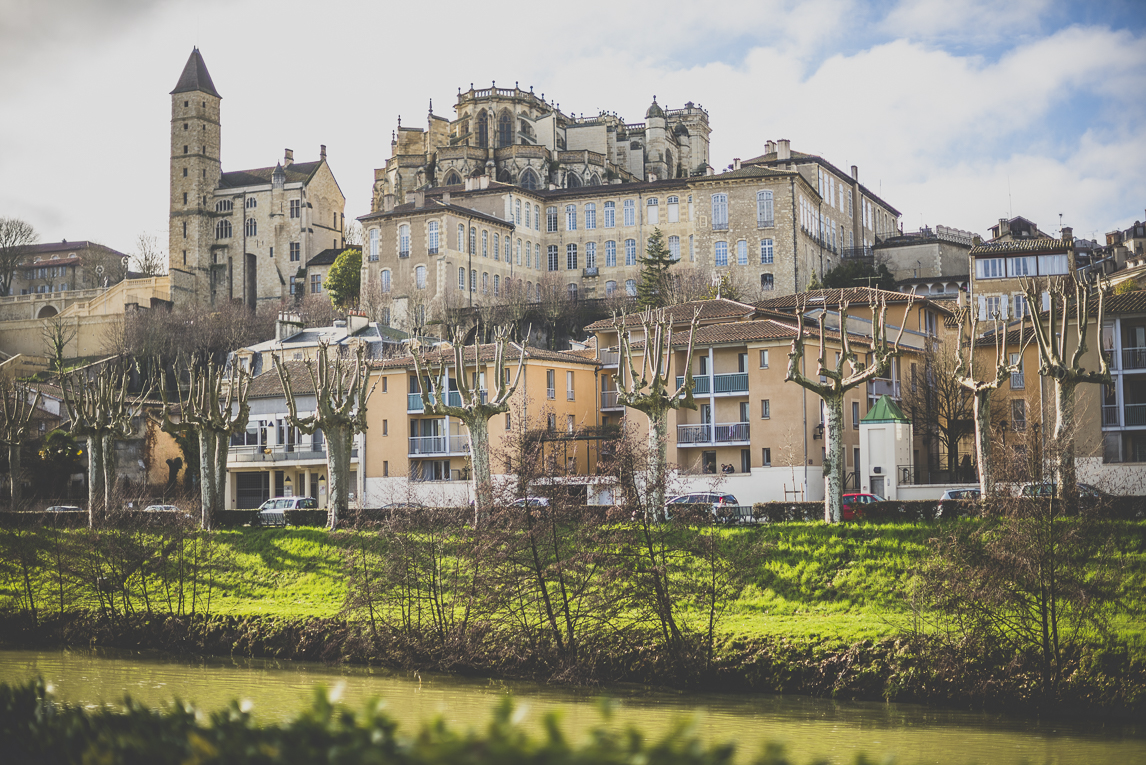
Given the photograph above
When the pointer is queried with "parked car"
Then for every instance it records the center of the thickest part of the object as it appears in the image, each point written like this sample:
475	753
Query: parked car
722	505
161	509
1085	491
852	509
955	494
63	509
273	511
531	502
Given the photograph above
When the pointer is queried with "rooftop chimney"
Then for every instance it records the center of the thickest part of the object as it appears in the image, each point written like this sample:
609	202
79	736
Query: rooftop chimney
769	147
322	151
1067	234
735	163
286	325
356	322
288	157
445	197
784	149
855	173
419	199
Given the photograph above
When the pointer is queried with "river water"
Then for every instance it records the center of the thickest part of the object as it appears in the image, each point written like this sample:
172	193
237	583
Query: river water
807	726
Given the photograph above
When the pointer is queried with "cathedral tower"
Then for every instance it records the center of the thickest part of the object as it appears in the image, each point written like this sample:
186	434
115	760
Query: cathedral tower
195	172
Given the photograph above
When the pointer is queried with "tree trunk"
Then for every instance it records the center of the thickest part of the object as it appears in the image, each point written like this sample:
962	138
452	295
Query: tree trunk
1066	474
338	448
95	480
14	474
834	473
981	407
109	475
208	476
222	447
478	428
658	447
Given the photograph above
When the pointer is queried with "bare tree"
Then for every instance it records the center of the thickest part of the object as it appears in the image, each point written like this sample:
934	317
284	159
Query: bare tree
148	258
16	236
353	234
340	398
981	387
475	406
554	303
214	408
99	409
58	332
17	405
940	407
837	384
1064	368
375	302
647	390
687	285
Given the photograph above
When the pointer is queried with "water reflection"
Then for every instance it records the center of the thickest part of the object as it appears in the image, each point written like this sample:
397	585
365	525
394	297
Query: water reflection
809	727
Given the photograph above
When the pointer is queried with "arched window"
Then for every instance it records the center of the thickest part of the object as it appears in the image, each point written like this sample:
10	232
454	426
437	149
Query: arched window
630	211
224	205
496	285
461	278
630	252
485	244
610	253
573	181
505	129
590	216
223	229
386	280
529	290
528	209
572	291
571	257
473	241
482	129
610	214
518	258
528	180
610	287
517	212
420	277
473	280
374	244
631	287
537	218
764	217
594	180
652	211
496	245
590	255
404	241
252	203
252	227
432	237
570	217
485	282
674	247
453	178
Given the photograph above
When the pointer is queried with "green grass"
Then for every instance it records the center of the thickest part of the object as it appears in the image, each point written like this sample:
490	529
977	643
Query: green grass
801	580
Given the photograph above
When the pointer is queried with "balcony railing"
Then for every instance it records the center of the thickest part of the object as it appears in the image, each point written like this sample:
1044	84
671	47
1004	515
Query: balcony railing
551	393
569	396
731	383
705	433
609	400
1134	358
852	253
1110	415
883	387
279	453
699	384
414	400
1135	415
420	445
590	271
609	358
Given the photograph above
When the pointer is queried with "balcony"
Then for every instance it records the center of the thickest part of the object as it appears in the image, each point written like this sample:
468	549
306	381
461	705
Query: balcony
735	383
280	453
881	386
414	400
589	271
609	358
1134	358
857	253
609	400
708	435
1134	414
426	445
1110	416
551	394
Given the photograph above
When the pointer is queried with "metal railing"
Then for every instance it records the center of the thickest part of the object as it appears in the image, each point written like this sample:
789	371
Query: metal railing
883	387
769	223
1110	415
589	271
1135	414
550	393
609	400
279	453
1134	358
699	384
420	445
569	396
414	400
720	226
731	383
707	433
609	358
853	253
905	474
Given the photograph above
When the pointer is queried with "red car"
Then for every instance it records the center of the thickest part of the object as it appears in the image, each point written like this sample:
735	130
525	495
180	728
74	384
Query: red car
853	505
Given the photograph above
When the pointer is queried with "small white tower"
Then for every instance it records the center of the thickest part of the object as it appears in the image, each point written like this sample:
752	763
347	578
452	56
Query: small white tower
885	449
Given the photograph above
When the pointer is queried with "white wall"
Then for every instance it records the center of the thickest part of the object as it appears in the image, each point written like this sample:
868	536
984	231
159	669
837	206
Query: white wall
931	491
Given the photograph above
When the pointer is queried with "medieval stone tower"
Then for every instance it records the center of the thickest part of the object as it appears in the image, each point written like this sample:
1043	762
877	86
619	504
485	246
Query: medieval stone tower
195	174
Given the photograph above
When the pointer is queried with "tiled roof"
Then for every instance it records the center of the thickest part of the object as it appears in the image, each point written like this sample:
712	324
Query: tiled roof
296	172
856	296
1019	246
268	385
68	261
1130	302
719	308
486	352
329	255
749	171
435	206
753	331
195	76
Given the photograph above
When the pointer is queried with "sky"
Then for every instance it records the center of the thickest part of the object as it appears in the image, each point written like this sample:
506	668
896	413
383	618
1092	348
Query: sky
957	112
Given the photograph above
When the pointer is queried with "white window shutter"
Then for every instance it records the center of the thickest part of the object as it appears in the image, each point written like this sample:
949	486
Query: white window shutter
1046	300
982	308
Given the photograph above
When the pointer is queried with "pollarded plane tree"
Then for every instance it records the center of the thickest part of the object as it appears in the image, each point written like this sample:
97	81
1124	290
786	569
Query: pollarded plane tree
475	405
214	408
1064	367
17	405
647	389
98	406
341	392
837	383
982	386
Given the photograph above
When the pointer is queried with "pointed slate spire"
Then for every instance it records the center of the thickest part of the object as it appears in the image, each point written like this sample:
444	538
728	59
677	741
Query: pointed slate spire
195	77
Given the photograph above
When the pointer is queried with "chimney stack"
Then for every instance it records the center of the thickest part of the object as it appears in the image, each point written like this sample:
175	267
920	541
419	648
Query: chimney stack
736	163
288	157
286	325
1067	234
784	149
855	173
322	151
356	322
445	197
769	147
419	200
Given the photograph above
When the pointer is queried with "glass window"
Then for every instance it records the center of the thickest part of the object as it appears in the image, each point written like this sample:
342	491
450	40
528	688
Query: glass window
590	216
473	280
517	211
374	244
610	287
674	247
570	257
610	214
1053	265
765	252
766	282
552	252
252	203
720	253
432	237
742	252
590	255
404	241
496	285
461	238
631	287
652	211
764	217
990	268
527	215
485	282
719	212
386	280
496	246
461	278
252	227
296	252
518	251
551	219
572	296
610	254
537	218
630	252
765	408
420	277
673	209
764	358
570	217
630	209
473	240
485	244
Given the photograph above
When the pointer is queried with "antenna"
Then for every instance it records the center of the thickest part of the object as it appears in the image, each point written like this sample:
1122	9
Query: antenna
1010	209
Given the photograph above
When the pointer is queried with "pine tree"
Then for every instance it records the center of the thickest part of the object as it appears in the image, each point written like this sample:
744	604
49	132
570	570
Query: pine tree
651	291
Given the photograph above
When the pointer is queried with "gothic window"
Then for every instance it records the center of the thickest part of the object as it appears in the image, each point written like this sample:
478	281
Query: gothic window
252	227
453	179
570	257
482	129
572	181
252	203
503	176
668	161
432	238
594	180
420	277
570	217
226	205
386	280
610	253
223	229
528	180
610	214
630	252
404	241
590	216
373	244
764	218
505	130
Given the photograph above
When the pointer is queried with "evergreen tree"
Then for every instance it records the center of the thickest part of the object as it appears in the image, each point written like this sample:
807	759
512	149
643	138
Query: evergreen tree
652	289
344	278
859	273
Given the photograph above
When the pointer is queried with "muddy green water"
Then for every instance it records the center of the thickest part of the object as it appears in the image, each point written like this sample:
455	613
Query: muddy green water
809	727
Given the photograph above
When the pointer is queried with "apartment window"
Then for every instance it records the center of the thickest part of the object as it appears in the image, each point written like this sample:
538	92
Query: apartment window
673	209
990	305
570	217
517	211
765	409
1018	379
767	282
569	386
630	212
766	457
764	217
674	247
432	238
295	252
496	285
652	211
1018	414
507	421
385	468
631	287
551	251
571	257
855	415
1021	266
373	251
485	244
223	229
473	241
385	427
420	277
404	241
461	278
720	212
610	254
485	283
385	381
610	214
295	208
551	219
461	238
590	255
1053	265
720	253
590	216
743	411
990	268
765	252
691	250
630	252
315	283
550	384
610	287
1020	301
551	422
386	280
742	252
473	280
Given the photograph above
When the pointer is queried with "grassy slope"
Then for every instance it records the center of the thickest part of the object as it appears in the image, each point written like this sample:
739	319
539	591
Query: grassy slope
809	580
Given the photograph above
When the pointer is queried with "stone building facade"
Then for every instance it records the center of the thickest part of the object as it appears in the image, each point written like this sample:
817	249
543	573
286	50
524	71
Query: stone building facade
240	234
60	267
518	138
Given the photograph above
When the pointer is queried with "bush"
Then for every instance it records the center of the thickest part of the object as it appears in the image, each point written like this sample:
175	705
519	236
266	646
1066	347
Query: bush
35	519
779	512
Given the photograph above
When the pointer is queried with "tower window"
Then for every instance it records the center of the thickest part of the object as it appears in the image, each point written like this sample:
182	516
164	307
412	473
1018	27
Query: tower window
295	252
184	125
185	104
184	197
252	203
184	149
295	208
184	172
